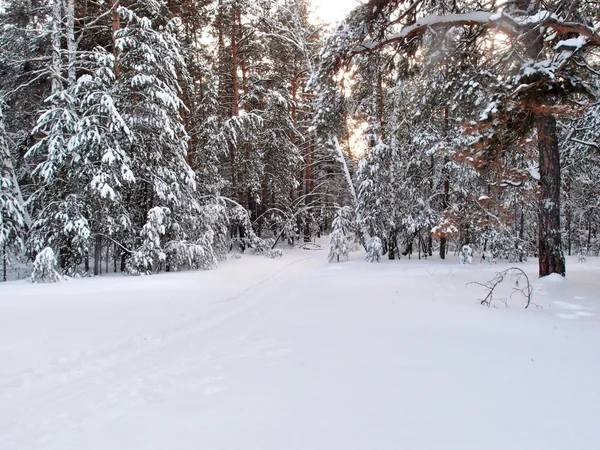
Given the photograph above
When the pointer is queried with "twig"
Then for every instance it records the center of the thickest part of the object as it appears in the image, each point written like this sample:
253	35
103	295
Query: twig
517	275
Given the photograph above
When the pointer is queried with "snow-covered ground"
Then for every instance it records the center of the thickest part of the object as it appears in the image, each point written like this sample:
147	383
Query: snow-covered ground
298	354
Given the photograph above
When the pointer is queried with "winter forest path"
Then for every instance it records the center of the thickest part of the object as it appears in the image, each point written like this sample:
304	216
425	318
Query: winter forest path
298	354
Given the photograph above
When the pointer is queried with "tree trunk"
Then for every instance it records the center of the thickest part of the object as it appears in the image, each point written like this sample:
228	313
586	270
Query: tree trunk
551	258
56	38
521	237
443	239
124	256
235	107
550	252
71	43
569	215
446	196
4	263
392	245
115	26
115	258
97	254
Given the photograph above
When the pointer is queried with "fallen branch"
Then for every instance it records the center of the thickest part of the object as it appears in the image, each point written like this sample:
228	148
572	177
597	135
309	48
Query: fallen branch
517	276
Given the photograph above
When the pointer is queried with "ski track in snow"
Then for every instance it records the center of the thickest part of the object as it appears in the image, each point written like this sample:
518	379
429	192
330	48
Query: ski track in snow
298	354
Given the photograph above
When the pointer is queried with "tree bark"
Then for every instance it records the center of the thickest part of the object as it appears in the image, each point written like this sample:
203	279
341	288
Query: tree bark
551	257
115	26
446	196
71	43
56	38
4	263
97	254
235	107
550	252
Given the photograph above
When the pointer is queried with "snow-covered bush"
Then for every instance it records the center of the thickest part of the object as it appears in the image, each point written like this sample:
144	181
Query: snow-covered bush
374	250
488	256
517	254
44	267
260	246
150	254
466	255
339	245
274	253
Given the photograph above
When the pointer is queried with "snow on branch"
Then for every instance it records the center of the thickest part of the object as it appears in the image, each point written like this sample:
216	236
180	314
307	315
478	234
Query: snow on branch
504	22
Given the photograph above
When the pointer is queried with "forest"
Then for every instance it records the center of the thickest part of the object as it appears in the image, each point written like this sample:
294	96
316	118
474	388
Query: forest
161	135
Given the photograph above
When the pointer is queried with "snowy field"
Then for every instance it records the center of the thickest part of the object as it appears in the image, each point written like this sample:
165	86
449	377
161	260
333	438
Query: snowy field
298	354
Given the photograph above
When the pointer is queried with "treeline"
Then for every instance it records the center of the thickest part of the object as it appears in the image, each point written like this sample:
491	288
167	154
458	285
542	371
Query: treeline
157	135
482	125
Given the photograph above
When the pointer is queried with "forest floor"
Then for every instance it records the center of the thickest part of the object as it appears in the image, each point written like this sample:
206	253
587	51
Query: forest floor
298	354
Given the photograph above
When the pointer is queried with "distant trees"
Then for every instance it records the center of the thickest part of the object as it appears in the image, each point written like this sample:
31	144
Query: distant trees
485	93
12	213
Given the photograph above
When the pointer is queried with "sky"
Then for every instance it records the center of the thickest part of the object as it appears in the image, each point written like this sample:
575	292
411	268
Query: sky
333	10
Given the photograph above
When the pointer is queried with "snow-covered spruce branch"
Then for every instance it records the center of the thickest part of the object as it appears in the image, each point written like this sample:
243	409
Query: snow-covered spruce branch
517	275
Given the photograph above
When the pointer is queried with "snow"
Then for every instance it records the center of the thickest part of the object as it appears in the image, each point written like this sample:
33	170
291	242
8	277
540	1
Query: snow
434	20
534	172
538	17
295	353
573	44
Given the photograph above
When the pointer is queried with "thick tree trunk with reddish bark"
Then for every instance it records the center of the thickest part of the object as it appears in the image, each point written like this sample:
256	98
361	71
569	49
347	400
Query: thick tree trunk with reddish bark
235	106
551	255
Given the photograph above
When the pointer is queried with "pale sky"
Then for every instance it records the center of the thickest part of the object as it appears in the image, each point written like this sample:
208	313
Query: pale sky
333	10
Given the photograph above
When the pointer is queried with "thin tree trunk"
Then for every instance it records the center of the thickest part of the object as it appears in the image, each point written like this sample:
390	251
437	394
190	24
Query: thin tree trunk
443	239
115	258
71	43
97	254
521	236
446	196
569	214
124	256
56	34
4	263
115	26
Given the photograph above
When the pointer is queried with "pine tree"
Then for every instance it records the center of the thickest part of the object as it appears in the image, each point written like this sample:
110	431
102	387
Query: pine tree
340	239
12	214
